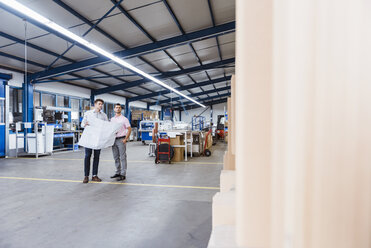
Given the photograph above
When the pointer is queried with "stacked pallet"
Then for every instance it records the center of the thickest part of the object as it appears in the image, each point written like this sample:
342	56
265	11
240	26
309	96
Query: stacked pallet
144	115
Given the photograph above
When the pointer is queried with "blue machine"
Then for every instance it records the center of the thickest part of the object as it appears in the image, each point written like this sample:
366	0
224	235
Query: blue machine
3	84
145	129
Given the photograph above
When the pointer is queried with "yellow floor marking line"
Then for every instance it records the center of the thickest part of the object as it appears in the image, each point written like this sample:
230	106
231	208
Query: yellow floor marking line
109	160
131	184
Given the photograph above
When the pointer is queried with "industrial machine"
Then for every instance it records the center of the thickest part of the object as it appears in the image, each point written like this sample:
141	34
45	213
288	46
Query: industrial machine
220	133
65	127
51	115
145	130
146	127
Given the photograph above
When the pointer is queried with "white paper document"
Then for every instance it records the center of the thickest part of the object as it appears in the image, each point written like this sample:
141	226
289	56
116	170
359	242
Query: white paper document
99	134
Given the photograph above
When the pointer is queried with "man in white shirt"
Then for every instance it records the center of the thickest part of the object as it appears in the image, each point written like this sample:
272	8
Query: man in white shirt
119	147
97	113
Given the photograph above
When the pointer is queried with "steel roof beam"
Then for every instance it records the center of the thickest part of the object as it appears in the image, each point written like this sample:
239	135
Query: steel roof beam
163	76
44	27
173	16
183	32
202	100
43	50
140	27
94	26
44	66
206	103
21	59
20	41
185	87
146	33
88	22
192	95
91	77
140	50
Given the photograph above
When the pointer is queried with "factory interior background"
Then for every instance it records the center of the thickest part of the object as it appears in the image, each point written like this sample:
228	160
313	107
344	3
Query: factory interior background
185	123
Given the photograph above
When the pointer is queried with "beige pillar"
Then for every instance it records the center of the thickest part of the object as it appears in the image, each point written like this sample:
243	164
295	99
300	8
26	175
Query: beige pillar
321	180
253	121
303	124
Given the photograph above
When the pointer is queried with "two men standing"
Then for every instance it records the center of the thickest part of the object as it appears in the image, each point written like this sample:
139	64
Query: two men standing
119	147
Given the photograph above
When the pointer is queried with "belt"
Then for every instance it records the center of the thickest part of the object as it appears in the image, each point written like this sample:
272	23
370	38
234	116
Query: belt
122	137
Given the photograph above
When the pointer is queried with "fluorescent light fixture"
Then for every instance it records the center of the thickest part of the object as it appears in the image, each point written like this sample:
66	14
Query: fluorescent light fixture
39	18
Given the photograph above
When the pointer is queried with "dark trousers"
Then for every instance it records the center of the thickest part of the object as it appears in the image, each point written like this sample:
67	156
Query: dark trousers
88	153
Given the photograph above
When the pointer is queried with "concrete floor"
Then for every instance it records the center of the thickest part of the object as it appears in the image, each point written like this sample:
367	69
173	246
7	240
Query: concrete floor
151	210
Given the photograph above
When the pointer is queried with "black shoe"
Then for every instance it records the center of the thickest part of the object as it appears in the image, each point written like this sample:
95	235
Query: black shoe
116	175
121	178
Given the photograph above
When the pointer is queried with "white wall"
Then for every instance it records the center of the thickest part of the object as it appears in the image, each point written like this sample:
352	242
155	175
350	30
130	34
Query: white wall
111	98
138	104
218	109
187	115
155	107
176	115
72	90
63	89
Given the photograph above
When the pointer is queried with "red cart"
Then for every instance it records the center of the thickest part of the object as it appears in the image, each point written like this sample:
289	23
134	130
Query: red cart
163	148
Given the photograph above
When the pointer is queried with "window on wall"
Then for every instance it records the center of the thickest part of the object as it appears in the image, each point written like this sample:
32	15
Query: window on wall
15	105
109	112
75	104
75	107
48	100
85	105
62	101
36	99
15	100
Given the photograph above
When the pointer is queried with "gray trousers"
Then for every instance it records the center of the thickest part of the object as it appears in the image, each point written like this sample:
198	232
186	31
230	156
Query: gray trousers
119	155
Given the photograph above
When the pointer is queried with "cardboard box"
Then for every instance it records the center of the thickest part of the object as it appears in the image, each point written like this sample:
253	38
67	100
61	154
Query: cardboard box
178	140
178	154
147	114
178	151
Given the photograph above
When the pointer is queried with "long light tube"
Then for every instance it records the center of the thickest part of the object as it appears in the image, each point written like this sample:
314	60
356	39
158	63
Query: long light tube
39	18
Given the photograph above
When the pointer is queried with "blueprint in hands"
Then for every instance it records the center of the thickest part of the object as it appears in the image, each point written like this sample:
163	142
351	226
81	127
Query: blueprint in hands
99	134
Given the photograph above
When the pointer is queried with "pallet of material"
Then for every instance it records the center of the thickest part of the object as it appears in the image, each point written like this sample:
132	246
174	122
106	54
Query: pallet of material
178	151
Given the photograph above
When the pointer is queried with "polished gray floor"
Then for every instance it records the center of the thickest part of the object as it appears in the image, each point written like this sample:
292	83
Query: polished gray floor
150	211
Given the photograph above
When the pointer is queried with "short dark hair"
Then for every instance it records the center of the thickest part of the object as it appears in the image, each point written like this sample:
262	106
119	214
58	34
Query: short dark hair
98	100
118	104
